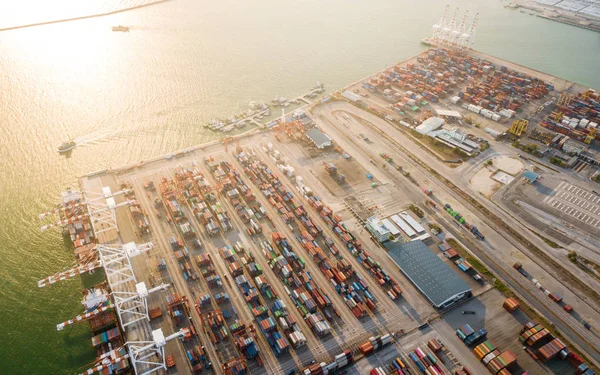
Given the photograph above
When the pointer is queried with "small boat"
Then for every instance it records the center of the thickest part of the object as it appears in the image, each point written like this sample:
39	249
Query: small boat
67	146
227	129
121	28
319	87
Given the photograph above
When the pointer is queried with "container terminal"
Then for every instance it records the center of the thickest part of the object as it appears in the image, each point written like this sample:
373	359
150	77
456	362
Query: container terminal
342	232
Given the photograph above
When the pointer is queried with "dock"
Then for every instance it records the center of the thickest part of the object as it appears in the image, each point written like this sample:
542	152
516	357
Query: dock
254	261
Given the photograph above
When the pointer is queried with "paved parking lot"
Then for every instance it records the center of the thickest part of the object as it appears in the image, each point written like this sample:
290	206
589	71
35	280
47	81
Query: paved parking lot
576	202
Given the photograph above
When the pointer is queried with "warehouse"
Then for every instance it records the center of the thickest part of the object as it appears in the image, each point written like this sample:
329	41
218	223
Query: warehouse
351	96
440	284
320	139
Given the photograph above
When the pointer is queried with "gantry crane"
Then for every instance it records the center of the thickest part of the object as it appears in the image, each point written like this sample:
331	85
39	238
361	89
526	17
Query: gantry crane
590	136
438	27
131	304
467	39
100	210
456	34
518	127
146	356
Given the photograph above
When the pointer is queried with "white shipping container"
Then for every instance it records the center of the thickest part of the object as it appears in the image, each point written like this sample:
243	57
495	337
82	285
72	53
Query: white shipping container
496	117
386	339
488	357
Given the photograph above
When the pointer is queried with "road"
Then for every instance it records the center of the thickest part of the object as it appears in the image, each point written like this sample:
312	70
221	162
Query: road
554	313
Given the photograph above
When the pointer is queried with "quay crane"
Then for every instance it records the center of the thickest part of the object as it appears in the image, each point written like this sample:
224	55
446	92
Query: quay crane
451	34
100	209
467	39
146	356
132	299
131	305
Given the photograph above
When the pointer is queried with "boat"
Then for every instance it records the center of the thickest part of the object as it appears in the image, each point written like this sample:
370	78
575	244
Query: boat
428	42
215	124
283	101
67	146
275	101
120	28
227	129
319	87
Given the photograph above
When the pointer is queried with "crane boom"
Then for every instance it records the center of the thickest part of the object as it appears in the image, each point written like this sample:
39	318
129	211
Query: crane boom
84	317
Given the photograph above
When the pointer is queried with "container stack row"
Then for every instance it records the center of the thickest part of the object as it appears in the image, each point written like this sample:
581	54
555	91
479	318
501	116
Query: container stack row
265	321
241	197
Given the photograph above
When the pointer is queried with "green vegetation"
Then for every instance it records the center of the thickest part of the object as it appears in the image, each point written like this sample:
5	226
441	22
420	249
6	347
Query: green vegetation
596	177
585	265
573	256
416	210
530	148
557	161
550	243
484	146
489	163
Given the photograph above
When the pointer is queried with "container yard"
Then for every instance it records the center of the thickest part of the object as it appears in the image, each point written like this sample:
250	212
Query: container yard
270	253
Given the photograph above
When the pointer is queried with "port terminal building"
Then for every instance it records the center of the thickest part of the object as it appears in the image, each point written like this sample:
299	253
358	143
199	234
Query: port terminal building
320	139
430	275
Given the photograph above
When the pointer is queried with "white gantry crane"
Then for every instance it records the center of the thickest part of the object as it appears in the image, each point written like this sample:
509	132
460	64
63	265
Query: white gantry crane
131	306
100	209
129	296
468	38
459	31
438	27
451	33
447	31
146	356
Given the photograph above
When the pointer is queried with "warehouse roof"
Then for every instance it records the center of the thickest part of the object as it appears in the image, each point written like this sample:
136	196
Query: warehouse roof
447	113
430	124
440	284
319	138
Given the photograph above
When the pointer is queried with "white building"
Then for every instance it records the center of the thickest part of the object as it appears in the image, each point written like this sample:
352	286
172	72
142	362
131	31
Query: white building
429	125
377	229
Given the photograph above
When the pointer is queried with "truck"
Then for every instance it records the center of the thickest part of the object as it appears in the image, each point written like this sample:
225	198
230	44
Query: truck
555	297
475	337
519	267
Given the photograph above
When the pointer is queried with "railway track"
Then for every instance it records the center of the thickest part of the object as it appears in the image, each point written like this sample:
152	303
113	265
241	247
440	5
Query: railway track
569	322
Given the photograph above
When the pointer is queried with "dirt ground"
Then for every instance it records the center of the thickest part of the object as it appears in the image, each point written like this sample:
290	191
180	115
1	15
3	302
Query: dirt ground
509	165
482	182
356	176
